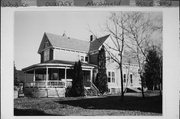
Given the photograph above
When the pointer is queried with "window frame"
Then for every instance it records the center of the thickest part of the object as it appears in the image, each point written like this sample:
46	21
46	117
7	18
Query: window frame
131	78
86	59
124	77
82	59
111	77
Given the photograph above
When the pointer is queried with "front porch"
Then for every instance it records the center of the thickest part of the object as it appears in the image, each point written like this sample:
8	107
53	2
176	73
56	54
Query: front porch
52	79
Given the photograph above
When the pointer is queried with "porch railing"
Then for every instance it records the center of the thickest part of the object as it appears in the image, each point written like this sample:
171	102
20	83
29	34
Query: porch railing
45	84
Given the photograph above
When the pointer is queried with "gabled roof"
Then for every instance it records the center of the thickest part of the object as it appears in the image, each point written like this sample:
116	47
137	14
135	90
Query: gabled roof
96	44
43	42
64	42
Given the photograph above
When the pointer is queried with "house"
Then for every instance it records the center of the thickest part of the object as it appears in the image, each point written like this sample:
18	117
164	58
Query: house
53	75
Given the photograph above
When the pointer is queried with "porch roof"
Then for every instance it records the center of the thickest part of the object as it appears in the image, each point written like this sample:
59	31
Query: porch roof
57	63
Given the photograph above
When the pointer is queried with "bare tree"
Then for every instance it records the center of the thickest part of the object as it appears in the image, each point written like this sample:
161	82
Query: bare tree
116	27
139	29
131	31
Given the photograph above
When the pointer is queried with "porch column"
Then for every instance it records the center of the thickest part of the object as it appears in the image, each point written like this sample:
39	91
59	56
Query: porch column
34	76
25	79
91	75
46	77
65	76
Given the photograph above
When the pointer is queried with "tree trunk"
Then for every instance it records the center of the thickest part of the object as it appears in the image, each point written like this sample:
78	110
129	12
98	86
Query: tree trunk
122	92
142	90
160	88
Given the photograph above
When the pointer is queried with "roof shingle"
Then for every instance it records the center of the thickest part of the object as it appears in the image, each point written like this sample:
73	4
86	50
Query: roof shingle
65	42
94	45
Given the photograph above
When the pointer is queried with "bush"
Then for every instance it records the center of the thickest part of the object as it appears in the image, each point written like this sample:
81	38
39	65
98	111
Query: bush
153	70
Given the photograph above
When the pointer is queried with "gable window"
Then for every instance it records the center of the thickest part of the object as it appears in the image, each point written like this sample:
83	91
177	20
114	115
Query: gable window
46	55
111	76
46	44
109	59
82	58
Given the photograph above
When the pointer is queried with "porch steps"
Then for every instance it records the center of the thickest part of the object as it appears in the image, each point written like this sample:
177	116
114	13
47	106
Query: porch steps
132	89
91	91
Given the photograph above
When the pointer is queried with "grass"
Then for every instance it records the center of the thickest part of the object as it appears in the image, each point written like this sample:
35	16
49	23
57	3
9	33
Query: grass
133	104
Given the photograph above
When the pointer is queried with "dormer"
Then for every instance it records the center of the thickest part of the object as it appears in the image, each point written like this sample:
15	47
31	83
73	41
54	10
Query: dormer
45	49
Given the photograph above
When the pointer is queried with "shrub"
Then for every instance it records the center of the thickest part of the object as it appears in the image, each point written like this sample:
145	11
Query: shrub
101	78
77	88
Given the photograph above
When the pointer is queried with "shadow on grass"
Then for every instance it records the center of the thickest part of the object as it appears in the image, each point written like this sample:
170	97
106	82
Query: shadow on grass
29	112
130	103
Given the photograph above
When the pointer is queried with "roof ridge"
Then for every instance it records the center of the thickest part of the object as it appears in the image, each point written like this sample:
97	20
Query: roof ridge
101	37
63	36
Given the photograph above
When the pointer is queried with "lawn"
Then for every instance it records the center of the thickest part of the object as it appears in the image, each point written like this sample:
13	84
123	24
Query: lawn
133	104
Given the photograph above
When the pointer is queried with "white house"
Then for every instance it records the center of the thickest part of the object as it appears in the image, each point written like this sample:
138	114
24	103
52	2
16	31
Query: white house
58	54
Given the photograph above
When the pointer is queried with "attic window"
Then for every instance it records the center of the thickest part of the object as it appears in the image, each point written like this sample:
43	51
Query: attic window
46	55
46	44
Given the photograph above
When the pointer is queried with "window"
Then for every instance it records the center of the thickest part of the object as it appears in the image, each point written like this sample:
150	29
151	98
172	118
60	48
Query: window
54	76
109	59
69	74
61	74
111	77
82	58
86	59
46	55
46	44
113	90
124	78
131	78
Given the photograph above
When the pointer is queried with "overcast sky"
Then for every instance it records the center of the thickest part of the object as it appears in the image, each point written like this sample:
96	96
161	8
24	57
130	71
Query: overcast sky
31	25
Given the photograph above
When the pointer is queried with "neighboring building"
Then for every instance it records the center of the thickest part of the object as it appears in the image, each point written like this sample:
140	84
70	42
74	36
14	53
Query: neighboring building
58	54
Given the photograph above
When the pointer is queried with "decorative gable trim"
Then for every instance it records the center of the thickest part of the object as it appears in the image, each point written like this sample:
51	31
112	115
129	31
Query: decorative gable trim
45	44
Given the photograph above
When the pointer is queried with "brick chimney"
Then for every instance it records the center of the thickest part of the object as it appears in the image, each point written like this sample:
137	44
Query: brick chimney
92	38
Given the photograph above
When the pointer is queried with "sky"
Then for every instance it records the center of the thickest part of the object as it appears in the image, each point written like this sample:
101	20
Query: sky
29	27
